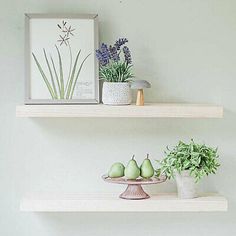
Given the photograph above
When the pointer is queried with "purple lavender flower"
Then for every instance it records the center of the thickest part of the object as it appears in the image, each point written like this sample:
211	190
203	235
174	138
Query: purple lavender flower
127	55
103	61
105	50
120	42
113	53
99	55
103	54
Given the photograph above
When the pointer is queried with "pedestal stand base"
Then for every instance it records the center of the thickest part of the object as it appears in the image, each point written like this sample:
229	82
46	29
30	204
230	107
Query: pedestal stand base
134	192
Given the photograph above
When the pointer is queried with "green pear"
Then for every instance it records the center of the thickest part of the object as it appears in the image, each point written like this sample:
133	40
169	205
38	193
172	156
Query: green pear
116	170
132	170
147	170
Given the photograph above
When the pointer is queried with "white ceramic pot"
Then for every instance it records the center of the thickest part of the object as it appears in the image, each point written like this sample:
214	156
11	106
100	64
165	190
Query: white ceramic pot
186	185
116	93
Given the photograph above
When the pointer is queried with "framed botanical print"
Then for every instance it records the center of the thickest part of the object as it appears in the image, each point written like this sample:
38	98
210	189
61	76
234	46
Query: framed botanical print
61	66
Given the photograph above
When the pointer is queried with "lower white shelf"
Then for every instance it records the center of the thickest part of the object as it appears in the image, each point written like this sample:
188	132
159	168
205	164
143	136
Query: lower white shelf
47	202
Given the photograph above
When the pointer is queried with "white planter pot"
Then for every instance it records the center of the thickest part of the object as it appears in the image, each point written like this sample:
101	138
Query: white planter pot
116	93
186	185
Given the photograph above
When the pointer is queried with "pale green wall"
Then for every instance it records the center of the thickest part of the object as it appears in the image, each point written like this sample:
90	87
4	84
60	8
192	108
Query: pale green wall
187	49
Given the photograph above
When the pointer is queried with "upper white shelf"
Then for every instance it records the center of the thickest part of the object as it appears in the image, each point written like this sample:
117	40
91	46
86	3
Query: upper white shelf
46	202
151	110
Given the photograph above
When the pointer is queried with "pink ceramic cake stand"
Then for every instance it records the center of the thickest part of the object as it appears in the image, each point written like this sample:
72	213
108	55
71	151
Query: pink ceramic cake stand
134	190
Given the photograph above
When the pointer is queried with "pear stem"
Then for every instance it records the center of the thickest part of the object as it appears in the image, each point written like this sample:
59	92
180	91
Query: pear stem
133	157
147	156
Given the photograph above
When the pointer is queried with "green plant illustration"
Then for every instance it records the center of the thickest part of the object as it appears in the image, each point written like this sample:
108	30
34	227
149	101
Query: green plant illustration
59	86
199	159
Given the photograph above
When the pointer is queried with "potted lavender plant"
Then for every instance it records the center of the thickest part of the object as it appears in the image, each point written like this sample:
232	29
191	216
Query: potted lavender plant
115	69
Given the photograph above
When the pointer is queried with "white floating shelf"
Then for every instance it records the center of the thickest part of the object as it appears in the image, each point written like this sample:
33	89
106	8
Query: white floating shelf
152	110
111	203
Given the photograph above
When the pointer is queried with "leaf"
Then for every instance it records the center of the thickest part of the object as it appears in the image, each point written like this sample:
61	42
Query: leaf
77	76
50	71
44	77
72	76
61	74
158	172
70	67
56	75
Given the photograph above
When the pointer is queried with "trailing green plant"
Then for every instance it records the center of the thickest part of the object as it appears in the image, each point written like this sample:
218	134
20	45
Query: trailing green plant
58	86
199	159
115	62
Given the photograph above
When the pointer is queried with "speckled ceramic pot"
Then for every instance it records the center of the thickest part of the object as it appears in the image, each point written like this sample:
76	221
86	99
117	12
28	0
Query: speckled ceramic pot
116	93
186	185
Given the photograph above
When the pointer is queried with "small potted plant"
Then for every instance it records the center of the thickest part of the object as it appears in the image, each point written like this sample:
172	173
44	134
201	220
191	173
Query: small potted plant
189	163
115	69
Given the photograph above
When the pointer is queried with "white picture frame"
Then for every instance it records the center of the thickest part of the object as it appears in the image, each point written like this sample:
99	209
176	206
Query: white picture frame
60	60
